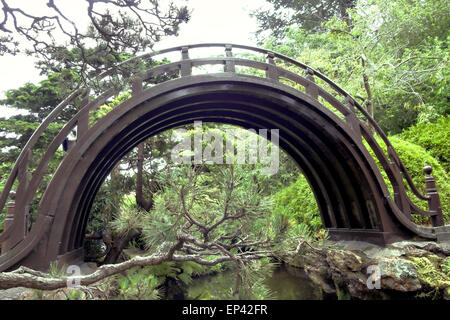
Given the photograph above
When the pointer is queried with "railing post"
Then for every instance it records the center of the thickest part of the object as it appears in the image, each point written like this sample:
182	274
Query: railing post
136	86
186	67
229	65
434	203
9	219
352	120
271	71
312	90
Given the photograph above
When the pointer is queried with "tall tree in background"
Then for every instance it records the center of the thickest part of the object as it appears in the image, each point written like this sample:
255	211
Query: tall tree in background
392	56
70	54
116	27
306	14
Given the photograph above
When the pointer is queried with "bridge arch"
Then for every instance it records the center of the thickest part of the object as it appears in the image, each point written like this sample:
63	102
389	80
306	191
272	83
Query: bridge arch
353	199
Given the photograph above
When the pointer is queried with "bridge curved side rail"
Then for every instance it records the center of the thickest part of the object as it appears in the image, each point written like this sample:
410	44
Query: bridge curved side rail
391	164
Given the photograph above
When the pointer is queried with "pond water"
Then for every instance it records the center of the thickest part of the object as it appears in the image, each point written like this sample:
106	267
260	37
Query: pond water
285	283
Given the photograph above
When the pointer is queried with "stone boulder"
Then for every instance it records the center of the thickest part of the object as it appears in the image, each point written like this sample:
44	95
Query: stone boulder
398	274
351	269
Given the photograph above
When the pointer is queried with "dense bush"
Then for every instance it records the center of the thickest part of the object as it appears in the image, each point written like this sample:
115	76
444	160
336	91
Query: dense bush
415	157
295	207
434	137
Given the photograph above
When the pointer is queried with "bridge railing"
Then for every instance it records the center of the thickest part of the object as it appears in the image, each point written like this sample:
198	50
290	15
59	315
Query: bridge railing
348	109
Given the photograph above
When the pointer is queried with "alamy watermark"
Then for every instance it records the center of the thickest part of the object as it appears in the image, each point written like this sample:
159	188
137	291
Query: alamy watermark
251	147
73	281
374	278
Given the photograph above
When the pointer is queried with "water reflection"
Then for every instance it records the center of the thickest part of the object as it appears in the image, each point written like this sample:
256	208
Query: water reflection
285	283
292	284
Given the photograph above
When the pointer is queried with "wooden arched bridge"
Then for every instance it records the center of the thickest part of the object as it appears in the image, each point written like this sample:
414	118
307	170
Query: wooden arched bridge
320	125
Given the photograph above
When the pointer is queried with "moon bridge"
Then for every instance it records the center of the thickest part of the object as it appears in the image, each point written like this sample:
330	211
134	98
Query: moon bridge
325	130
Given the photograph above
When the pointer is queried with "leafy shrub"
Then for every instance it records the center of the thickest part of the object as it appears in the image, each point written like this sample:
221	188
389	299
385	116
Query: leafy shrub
153	282
414	157
2	221
137	283
434	137
295	207
430	273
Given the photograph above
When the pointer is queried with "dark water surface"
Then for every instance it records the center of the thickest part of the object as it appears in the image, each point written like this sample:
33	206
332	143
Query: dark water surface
288	283
285	283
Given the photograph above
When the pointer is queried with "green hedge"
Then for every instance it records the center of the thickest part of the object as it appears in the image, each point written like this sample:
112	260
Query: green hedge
415	157
434	137
296	205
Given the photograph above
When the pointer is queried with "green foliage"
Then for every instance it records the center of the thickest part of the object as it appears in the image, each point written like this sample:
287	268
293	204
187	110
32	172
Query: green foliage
76	295
42	98
149	283
433	137
446	266
206	195
254	281
220	286
137	283
57	270
296	209
104	109
430	272
125	220
307	14
400	46
415	158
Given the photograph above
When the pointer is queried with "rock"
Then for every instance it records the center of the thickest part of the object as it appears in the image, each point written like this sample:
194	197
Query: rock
442	249
414	252
437	248
356	245
307	256
317	278
406	269
12	293
379	252
398	274
344	260
410	244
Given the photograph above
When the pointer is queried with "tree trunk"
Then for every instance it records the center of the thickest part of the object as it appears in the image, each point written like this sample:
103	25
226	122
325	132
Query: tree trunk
144	204
369	100
29	278
118	244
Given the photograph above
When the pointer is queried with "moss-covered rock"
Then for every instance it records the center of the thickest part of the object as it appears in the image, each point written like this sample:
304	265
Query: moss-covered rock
406	269
344	260
398	274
